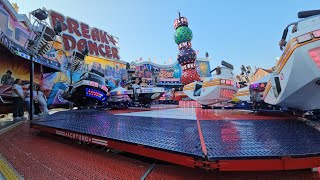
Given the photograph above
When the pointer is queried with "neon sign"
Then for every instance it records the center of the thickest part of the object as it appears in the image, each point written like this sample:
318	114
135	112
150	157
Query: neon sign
96	94
315	55
95	84
257	86
226	82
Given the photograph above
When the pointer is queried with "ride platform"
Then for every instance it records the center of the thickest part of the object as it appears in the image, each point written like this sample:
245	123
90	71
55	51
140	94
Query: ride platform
226	140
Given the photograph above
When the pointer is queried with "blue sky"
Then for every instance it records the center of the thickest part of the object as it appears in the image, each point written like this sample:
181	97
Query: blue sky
238	31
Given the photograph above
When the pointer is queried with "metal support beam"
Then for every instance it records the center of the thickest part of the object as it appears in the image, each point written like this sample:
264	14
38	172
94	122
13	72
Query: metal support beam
31	89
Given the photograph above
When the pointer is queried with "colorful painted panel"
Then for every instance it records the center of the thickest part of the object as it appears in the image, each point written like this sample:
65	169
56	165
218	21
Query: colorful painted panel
114	72
167	71
13	29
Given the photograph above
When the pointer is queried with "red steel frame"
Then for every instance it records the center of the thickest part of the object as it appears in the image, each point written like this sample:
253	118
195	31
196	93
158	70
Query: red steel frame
284	163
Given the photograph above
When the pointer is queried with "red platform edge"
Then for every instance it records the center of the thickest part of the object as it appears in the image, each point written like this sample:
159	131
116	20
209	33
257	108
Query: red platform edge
284	163
189	104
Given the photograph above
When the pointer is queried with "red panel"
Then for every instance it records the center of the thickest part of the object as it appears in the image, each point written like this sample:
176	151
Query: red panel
189	104
176	172
220	114
315	55
268	164
140	109
203	144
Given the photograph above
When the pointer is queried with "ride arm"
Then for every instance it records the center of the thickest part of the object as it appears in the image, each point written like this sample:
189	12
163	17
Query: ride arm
217	69
283	42
213	70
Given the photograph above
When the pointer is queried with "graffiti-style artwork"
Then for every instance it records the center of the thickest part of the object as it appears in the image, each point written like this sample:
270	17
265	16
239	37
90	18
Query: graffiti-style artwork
166	73
58	82
103	57
19	70
13	35
114	71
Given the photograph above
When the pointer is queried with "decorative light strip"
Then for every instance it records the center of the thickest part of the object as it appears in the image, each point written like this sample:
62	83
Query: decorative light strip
257	86
189	66
304	38
103	87
96	94
120	93
180	21
184	45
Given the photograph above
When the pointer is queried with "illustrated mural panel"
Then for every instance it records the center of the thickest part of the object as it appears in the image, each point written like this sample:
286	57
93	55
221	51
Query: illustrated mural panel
145	69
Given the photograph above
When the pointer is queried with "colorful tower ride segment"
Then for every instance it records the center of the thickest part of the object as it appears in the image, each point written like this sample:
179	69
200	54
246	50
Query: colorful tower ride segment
187	56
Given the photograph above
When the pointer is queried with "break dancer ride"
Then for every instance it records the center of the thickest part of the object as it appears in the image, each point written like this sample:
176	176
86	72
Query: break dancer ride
220	88
89	91
243	142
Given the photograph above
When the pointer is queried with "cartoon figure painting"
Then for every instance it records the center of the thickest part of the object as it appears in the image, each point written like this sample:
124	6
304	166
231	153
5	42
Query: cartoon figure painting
58	82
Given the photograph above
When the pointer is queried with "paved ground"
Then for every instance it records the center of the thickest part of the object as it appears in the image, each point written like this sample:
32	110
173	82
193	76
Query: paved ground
7	120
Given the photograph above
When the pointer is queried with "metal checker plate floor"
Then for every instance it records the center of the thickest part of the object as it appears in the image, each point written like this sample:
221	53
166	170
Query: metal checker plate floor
167	134
248	139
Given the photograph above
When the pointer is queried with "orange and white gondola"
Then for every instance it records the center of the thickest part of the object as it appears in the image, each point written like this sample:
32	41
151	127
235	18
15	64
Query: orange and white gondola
295	82
219	88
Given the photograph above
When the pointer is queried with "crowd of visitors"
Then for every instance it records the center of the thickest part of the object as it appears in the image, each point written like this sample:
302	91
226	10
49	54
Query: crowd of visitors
21	97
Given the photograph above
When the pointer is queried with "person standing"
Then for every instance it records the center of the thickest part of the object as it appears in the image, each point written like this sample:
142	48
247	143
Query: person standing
18	97
42	101
27	99
136	86
7	79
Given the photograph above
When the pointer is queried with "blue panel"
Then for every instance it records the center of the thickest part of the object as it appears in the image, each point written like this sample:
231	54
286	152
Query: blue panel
259	139
180	136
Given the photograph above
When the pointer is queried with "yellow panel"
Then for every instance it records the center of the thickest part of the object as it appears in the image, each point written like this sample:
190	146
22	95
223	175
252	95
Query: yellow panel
6	171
